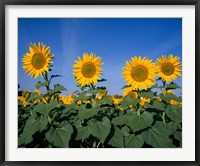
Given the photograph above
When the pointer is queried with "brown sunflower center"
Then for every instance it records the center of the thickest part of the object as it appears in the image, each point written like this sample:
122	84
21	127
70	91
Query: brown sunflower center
88	70
132	95
167	69
38	61
139	73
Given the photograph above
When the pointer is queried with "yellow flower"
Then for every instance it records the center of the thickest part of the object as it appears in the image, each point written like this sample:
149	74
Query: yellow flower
37	60
101	94
79	102
87	102
173	102
139	73
159	99
23	100
26	95
169	92
169	68
37	91
67	99
130	92
119	108
44	100
144	100
88	69
115	100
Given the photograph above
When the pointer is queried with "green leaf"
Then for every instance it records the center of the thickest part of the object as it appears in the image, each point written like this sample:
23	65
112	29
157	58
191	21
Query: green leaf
125	130
171	126
178	136
169	97
38	85
159	105
174	114
93	92
44	109
147	105
172	85
101	129
174	97
105	100
158	136
82	96
139	122
155	86
85	113
117	140
146	94
34	96
132	141
53	76
120	120
125	86
82	133
127	101
31	127
60	137
102	80
164	98
58	88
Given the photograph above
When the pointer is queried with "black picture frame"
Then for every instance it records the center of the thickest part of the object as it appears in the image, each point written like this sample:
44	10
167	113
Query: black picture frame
3	4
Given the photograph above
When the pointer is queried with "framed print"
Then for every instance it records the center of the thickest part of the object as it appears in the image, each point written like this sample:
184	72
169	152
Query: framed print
99	82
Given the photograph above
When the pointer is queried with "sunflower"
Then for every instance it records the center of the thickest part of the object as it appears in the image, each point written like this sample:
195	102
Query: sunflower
101	94
37	91
38	60
170	92
144	100
26	94
130	92
139	73
67	99
79	102
88	69
173	102
23	100
115	100
169	68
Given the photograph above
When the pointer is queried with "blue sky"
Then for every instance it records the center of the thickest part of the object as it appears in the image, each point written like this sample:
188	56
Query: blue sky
114	39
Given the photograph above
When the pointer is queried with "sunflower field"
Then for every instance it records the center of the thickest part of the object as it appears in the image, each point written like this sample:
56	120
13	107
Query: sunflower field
147	115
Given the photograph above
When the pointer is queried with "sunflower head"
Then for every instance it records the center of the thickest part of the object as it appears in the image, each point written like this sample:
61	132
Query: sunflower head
102	93
144	100
23	100
38	60
87	70
115	100
174	102
170	92
139	73
67	99
26	94
130	92
37	91
169	68
79	102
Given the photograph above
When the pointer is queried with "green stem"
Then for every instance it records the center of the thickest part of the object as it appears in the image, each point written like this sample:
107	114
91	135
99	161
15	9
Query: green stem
92	87
163	117
94	144
138	112
47	86
98	144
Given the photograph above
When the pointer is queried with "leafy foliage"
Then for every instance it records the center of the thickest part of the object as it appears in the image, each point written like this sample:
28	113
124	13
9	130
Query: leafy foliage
85	119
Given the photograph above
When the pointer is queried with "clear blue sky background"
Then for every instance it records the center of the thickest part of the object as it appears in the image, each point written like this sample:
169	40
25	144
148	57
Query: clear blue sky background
115	40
